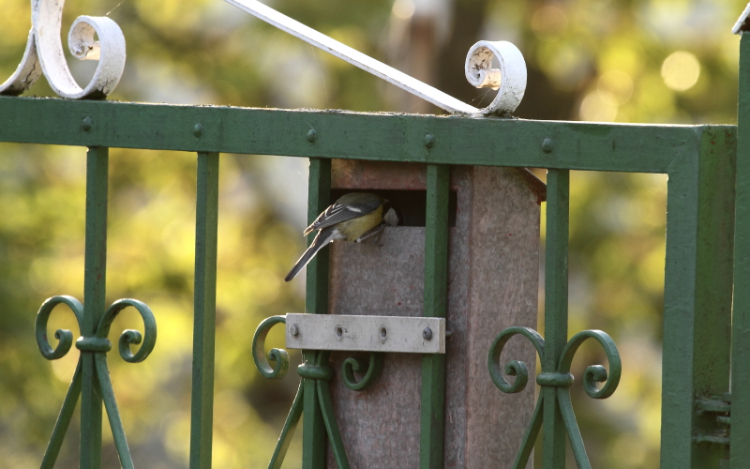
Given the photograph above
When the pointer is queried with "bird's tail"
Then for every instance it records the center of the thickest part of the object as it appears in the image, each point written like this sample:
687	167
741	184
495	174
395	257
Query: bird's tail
321	240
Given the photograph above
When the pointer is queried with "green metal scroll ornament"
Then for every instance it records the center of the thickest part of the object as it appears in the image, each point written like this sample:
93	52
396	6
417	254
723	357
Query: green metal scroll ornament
560	379
93	347
275	366
370	370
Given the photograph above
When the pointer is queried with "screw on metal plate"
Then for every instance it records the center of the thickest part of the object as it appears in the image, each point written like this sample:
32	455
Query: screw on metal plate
198	130
294	330
339	331
383	332
311	135
429	140
86	123
547	145
427	333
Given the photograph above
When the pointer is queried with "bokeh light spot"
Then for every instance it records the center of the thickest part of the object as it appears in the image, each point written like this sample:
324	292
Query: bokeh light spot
549	21
403	9
599	106
680	70
618	84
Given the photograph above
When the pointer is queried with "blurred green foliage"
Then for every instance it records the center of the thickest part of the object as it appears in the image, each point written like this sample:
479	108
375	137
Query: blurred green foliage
650	61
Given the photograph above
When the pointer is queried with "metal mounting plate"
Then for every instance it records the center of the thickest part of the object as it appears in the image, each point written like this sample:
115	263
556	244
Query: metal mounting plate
365	333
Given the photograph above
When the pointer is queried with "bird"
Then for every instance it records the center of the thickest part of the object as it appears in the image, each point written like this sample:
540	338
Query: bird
355	217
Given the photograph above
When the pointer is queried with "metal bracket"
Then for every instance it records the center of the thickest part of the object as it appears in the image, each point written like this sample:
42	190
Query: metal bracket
718	410
365	333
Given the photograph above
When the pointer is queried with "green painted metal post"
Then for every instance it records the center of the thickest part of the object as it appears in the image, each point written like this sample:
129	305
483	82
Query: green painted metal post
204	329
94	283
432	429
319	198
555	310
698	292
313	430
740	435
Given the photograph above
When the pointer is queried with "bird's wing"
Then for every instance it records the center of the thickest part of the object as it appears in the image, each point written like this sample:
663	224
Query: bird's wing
337	213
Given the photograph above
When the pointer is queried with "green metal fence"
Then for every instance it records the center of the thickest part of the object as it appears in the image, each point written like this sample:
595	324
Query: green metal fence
702	251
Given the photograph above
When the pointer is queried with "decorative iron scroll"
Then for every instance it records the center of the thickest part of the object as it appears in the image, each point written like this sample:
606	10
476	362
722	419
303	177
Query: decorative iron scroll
370	369
560	379
44	53
94	346
510	78
275	366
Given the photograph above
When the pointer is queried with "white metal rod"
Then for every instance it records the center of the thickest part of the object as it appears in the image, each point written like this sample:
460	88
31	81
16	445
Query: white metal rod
354	57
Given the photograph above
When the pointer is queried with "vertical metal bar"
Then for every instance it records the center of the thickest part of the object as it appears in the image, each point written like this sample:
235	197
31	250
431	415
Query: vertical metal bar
204	328
108	395
435	305
95	276
697	297
713	295
318	199
555	311
313	430
740	435
329	419
63	421
285	439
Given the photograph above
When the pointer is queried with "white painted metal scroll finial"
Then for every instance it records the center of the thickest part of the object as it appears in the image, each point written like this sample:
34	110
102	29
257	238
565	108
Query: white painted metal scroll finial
44	53
742	23
512	66
510	78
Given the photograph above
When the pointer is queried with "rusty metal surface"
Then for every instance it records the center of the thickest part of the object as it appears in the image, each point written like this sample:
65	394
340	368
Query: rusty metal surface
493	284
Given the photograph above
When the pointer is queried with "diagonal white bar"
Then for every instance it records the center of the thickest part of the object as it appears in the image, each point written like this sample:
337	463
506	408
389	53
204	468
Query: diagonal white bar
356	58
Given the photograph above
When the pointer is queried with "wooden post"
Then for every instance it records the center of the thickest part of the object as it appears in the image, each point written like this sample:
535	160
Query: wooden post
492	284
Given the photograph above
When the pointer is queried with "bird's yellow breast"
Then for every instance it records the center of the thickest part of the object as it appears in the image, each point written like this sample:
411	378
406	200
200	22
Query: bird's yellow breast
356	227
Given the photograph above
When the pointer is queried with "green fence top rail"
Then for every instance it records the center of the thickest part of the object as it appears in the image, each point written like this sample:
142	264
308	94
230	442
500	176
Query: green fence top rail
342	134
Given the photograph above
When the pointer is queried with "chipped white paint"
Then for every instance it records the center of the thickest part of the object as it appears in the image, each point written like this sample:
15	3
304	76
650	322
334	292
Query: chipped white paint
739	26
365	333
513	69
510	78
44	53
27	72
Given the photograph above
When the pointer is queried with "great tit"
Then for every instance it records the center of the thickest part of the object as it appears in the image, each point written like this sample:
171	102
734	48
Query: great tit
353	217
